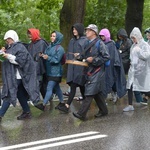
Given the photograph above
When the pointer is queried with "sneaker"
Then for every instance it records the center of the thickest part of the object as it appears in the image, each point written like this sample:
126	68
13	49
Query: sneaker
80	98
144	101
40	106
60	105
128	108
64	109
66	93
24	115
100	114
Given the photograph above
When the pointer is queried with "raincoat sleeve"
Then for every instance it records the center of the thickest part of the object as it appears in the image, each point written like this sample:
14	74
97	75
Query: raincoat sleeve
144	51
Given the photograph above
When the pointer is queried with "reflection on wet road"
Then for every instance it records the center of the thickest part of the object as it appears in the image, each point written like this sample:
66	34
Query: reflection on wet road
58	131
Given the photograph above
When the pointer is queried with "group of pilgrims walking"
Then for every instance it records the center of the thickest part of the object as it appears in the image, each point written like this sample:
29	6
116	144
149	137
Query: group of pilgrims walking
34	70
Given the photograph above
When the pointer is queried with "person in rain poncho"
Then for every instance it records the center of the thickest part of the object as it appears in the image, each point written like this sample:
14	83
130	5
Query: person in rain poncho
19	76
139	71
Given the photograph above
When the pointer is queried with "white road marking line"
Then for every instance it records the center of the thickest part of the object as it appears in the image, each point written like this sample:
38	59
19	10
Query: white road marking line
48	140
66	142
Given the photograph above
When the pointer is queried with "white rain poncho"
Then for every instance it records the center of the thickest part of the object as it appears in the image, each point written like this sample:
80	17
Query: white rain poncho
139	72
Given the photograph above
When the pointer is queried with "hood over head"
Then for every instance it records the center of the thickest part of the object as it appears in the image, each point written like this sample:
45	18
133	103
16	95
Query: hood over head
35	33
136	33
59	38
79	27
122	33
11	34
105	32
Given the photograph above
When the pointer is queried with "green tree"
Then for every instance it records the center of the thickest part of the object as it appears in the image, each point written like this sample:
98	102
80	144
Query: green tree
106	14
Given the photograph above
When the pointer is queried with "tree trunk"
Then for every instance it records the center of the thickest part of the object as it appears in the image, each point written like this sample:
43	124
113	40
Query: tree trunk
134	15
72	12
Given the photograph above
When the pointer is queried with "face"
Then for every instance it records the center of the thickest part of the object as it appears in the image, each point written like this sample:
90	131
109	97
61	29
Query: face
90	34
120	37
75	32
29	36
134	39
148	36
53	37
102	37
9	41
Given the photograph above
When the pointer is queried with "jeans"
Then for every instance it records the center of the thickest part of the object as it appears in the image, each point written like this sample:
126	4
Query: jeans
22	97
137	94
5	106
53	86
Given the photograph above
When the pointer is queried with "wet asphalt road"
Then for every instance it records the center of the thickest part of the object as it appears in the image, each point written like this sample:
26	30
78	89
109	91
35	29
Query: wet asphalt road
54	130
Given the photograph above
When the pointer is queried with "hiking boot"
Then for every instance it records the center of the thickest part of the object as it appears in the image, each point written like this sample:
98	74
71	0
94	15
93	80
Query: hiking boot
60	105
64	109
24	115
40	106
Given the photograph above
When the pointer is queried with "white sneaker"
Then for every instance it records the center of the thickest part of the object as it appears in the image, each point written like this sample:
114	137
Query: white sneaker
128	108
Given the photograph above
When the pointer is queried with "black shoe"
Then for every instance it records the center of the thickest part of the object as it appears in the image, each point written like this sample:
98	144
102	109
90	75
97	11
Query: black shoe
66	93
79	116
24	115
40	106
100	114
0	119
64	109
60	105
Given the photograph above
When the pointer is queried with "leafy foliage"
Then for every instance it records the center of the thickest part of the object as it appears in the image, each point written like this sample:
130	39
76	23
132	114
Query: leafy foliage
23	14
106	14
20	15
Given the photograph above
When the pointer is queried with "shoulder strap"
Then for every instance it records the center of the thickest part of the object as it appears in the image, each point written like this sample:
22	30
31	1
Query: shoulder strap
57	46
90	45
98	45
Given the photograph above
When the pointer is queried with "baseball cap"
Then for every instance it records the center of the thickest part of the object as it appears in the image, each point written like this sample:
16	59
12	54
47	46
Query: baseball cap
93	27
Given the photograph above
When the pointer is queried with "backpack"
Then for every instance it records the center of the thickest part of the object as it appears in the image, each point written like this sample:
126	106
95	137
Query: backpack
63	59
107	63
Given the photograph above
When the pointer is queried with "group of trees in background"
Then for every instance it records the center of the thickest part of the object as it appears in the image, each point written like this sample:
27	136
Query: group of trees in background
49	15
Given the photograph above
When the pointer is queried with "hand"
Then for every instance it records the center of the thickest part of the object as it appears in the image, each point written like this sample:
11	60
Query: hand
3	49
5	55
76	54
89	59
40	54
45	56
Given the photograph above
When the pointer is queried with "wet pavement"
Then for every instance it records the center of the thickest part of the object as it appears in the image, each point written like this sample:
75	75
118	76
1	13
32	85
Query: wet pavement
54	130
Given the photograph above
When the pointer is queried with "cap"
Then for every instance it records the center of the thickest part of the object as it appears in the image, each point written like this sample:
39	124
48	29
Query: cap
93	27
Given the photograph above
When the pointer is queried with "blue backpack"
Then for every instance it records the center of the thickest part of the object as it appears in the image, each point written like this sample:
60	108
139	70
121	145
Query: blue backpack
107	63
